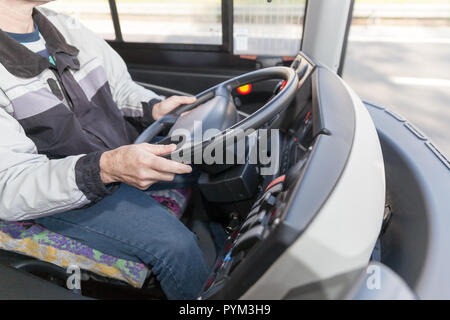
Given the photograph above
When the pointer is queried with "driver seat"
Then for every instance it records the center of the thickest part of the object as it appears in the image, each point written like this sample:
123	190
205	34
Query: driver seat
29	246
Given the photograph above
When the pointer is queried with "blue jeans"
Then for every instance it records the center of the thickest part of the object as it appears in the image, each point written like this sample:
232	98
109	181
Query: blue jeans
133	226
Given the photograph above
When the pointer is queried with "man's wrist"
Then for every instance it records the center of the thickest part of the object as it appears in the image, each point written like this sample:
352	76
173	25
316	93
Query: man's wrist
155	111
106	163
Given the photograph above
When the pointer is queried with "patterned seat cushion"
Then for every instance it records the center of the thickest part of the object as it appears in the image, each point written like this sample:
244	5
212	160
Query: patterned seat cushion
31	239
175	200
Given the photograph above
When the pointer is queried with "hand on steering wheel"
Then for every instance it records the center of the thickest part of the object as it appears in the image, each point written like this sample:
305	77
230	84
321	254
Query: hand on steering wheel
140	165
170	104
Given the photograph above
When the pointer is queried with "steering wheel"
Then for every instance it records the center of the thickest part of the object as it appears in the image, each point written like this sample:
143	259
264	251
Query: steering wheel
222	93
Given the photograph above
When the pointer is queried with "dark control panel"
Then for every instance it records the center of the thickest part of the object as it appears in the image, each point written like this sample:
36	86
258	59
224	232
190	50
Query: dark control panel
258	223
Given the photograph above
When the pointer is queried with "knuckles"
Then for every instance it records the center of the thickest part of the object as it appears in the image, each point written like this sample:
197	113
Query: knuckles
140	160
143	186
142	174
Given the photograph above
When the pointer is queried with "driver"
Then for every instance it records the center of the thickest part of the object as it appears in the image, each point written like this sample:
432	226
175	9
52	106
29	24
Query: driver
67	160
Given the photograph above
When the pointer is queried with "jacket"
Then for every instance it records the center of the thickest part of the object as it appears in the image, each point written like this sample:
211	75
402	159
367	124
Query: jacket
56	121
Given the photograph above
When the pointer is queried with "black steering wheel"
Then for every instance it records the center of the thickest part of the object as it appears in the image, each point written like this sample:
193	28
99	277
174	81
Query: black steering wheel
256	120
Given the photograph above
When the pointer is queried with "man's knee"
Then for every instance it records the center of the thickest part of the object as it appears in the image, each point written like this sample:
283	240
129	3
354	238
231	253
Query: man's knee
183	245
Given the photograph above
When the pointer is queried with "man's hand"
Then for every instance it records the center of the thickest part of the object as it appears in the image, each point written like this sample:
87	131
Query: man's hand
140	165
164	107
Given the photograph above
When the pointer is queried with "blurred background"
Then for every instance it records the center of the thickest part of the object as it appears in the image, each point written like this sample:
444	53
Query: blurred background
398	52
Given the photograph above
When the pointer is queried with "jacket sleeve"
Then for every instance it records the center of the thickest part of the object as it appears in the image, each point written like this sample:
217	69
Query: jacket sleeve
32	186
132	99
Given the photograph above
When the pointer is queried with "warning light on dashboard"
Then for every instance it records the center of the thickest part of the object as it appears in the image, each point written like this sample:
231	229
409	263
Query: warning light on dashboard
245	89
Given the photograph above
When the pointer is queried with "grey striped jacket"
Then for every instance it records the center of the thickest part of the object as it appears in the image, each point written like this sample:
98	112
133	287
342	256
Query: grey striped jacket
55	122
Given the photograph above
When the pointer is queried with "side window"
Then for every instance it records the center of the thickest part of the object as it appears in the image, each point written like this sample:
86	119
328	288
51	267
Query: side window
268	28
261	27
95	15
171	21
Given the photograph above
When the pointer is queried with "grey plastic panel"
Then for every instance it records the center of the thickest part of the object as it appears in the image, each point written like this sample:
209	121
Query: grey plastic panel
334	288
376	282
379	282
416	244
19	285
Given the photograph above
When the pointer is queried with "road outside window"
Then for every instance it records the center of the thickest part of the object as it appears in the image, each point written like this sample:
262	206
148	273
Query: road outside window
398	56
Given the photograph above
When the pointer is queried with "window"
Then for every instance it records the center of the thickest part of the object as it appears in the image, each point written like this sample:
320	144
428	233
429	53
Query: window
171	21
401	48
268	28
94	14
261	27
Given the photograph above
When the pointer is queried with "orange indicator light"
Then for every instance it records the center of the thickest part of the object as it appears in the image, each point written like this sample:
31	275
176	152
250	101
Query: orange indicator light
245	89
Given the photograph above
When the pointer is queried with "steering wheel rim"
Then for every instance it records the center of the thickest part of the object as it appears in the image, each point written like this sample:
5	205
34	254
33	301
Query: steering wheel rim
264	114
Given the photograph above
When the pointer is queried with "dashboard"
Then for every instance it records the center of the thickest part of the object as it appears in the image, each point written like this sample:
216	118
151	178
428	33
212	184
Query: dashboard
319	214
288	200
